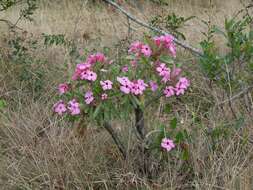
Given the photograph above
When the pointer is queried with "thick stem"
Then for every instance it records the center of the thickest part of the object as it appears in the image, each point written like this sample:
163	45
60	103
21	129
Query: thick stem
116	139
139	122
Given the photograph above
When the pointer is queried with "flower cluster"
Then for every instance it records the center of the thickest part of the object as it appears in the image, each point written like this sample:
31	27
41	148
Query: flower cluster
72	107
145	74
167	42
136	87
138	48
84	71
167	79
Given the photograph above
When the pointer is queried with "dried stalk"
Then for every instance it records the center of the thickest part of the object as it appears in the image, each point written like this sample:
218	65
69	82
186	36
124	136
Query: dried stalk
141	23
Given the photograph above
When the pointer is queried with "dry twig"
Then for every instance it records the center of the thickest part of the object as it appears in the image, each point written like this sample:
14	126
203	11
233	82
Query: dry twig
141	23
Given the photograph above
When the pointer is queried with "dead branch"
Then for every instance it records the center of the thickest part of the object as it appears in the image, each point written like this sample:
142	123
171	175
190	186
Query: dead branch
141	23
245	91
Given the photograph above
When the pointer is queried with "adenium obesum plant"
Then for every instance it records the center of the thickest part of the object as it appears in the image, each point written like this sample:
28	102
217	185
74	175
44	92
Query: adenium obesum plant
101	89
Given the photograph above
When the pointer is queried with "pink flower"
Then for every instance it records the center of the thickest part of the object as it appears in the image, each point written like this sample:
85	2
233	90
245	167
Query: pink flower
73	107
153	85
97	57
88	97
124	69
139	48
167	144
164	72
157	40
182	85
88	75
169	91
59	107
138	87
172	49
146	50
166	78
63	88
135	47
125	83
104	96
100	57
106	85
80	68
175	72
166	41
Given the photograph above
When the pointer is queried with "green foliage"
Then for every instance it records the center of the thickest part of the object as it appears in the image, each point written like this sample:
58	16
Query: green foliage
26	12
2	104
61	40
232	70
160	2
6	4
171	23
29	70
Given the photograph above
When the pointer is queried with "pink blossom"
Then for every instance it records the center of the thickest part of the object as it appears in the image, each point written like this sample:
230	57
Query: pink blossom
164	72
166	77
153	85
146	50
167	144
88	97
124	69
172	49
175	72
139	48
182	85
73	107
138	87
88	75
135	47
59	107
169	91
166	41
63	88
106	85
97	57
80	68
100	57
104	96
157	40
126	84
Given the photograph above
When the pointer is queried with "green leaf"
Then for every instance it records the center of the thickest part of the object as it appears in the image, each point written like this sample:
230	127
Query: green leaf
166	59
173	123
179	137
167	108
2	104
185	154
97	110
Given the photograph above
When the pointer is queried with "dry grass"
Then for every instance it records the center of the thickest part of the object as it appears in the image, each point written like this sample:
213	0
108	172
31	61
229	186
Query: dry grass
40	151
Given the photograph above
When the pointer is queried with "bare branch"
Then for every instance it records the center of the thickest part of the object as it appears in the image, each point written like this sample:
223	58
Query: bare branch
178	42
10	24
246	90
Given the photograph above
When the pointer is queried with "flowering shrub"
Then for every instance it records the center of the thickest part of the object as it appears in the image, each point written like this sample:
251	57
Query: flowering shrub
102	90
